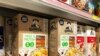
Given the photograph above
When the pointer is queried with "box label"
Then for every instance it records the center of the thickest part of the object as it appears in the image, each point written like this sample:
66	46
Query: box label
71	41
91	39
64	41
80	39
80	45
40	41
29	41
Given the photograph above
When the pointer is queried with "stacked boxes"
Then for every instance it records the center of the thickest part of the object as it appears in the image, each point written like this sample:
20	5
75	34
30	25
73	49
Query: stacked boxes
90	41
61	36
30	36
1	36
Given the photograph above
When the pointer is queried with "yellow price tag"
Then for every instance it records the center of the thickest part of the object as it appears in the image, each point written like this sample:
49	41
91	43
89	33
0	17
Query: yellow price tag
95	17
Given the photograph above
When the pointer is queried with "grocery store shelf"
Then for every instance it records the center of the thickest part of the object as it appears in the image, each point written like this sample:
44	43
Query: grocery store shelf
50	8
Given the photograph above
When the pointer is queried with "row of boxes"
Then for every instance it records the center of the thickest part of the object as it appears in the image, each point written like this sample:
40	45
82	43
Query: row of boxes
70	39
27	35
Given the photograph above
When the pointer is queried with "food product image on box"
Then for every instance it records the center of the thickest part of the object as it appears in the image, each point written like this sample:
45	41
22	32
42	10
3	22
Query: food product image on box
80	4
30	36
90	41
8	36
66	1
1	36
61	36
80	40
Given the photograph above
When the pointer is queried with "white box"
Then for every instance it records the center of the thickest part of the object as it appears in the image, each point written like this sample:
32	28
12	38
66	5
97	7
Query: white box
90	41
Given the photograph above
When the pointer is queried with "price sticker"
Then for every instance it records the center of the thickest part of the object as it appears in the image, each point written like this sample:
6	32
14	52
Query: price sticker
29	41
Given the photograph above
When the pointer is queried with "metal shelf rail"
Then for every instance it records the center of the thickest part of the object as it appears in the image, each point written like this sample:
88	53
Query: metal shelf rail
51	7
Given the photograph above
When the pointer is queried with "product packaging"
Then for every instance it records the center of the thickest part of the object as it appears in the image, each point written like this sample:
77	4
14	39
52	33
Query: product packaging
66	1
90	43
30	36
80	40
85	5
62	38
97	11
80	4
1	36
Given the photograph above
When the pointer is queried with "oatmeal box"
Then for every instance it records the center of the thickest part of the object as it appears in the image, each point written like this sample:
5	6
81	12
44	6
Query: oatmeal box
30	36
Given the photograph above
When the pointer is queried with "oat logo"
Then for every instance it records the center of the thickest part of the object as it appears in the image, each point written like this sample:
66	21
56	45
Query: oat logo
78	30
69	28
61	22
92	33
35	25
24	19
53	26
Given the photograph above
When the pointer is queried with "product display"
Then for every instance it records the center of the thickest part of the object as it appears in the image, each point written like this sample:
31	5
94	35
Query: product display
62	38
49	27
90	41
1	36
30	36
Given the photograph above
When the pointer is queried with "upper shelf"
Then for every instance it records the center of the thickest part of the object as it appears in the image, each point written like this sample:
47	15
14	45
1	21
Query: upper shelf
51	7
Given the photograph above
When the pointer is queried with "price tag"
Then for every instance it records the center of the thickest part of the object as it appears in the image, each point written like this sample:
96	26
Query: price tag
64	41
95	17
29	40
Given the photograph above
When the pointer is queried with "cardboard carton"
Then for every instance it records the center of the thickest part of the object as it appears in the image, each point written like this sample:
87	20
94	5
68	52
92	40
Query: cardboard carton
30	36
80	40
61	36
90	41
